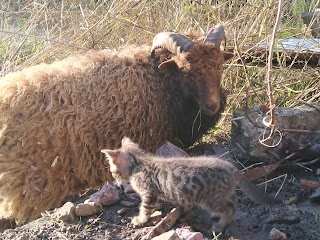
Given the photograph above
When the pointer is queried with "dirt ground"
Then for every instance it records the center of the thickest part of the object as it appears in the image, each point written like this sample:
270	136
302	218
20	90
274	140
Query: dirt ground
298	220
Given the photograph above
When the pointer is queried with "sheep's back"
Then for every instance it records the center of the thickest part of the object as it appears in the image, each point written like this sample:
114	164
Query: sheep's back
55	118
91	99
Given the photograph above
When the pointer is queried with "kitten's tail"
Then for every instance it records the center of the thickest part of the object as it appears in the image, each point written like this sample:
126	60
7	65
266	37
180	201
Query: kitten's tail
255	193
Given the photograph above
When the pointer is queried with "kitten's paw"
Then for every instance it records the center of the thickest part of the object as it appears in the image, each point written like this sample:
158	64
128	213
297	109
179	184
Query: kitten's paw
218	228
138	221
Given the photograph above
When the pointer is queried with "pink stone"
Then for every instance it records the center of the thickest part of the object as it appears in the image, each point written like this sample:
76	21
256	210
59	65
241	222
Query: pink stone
276	234
170	235
107	195
186	234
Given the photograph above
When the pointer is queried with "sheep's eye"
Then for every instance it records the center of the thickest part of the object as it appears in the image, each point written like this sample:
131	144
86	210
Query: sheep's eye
220	68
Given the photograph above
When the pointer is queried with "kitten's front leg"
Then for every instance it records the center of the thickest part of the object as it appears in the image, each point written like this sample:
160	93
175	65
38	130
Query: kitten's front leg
147	207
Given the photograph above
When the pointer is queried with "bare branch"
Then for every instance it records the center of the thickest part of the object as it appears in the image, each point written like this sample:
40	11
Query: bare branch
165	224
269	70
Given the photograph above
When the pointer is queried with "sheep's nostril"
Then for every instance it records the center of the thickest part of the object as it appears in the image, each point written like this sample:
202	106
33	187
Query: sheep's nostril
211	108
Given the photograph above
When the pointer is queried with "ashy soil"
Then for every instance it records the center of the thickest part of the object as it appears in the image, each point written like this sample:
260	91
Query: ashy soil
299	220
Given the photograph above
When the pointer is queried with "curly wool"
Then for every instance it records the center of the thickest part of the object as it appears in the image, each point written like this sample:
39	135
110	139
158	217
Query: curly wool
55	118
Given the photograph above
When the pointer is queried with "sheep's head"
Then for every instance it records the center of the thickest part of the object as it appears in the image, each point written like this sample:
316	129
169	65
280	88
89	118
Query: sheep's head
200	63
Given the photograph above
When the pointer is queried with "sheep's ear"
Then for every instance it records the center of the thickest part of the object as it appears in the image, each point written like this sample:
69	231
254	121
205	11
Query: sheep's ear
227	56
167	64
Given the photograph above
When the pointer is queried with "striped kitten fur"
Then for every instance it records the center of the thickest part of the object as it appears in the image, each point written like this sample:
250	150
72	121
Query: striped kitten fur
208	183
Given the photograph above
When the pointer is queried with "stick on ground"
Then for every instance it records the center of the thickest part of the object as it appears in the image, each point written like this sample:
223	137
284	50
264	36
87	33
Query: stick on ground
165	224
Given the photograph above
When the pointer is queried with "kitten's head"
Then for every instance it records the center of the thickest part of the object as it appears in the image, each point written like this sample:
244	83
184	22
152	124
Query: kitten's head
122	161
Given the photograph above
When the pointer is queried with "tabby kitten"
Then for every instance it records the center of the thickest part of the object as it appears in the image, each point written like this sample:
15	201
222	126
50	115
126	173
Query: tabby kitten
208	183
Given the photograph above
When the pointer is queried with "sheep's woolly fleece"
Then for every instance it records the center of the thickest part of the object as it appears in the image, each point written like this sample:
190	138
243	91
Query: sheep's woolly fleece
55	118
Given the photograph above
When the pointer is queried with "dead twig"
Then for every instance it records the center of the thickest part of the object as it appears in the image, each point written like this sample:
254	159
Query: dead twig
272	136
310	184
240	55
165	224
43	38
308	163
258	172
305	131
271	113
280	188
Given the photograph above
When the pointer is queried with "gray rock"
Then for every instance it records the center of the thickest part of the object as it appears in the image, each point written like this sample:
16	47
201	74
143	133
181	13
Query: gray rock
284	215
107	195
245	136
135	196
128	203
170	235
312	18
221	152
128	188
87	209
316	195
314	149
170	150
122	211
180	234
186	234
276	234
65	213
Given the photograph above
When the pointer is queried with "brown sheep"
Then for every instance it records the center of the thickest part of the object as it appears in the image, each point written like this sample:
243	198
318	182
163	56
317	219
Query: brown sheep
55	118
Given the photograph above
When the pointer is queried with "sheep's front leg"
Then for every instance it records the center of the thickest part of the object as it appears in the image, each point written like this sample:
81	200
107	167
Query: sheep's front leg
147	207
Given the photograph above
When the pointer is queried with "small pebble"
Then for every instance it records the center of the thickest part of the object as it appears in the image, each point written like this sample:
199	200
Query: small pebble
87	209
187	234
122	211
134	196
170	235
128	189
65	213
276	234
316	194
128	203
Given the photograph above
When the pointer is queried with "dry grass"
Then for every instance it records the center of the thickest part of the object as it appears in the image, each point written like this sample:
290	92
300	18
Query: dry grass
37	31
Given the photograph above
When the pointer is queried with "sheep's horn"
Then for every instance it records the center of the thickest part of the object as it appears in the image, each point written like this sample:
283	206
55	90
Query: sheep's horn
216	35
173	42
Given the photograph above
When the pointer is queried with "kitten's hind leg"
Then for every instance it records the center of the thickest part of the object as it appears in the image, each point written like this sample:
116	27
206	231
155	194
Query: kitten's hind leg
223	215
147	207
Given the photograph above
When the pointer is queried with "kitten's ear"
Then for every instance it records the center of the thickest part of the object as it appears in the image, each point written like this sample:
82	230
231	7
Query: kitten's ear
126	141
110	154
